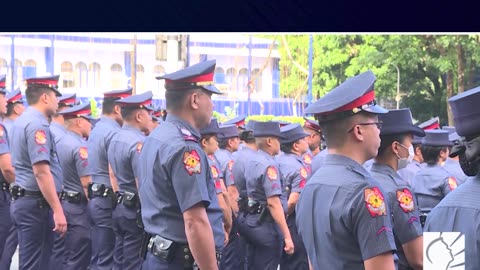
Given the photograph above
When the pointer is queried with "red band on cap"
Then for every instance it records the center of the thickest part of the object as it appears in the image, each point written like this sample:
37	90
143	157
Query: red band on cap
241	123
45	82
15	98
201	78
147	102
119	95
2	84
311	126
68	101
77	113
432	126
368	97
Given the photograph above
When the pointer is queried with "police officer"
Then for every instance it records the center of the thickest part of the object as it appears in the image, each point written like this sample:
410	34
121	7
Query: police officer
179	207
101	191
409	172
294	175
73	155
314	140
432	183
266	222
38	176
239	122
458	212
341	210
452	165
15	108
57	124
394	152
7	172
123	153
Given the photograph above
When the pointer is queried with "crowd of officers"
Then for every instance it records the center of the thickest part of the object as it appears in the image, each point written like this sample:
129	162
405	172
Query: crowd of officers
139	189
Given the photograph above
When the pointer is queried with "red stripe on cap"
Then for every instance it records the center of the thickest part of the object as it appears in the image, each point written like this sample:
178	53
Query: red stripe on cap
368	97
119	95
68	101
241	123
15	98
432	126
78	113
2	84
311	126
202	78
147	102
46	82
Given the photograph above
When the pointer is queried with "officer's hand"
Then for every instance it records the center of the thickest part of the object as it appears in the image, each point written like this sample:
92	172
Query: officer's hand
60	223
227	238
289	248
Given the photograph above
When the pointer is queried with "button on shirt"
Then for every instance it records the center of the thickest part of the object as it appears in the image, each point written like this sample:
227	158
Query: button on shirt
225	158
431	184
460	212
406	221
240	167
33	142
174	176
342	217
263	177
73	155
98	143
123	153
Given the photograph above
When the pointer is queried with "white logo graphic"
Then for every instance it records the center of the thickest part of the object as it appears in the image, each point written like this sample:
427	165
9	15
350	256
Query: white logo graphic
443	251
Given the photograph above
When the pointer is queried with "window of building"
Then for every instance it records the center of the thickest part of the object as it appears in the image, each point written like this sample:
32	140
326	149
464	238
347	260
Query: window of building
66	74
257	80
242	80
140	79
30	69
81	75
94	75
116	75
219	76
230	79
18	76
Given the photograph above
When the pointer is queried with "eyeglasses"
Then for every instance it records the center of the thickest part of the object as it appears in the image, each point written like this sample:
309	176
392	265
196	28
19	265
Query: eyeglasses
379	125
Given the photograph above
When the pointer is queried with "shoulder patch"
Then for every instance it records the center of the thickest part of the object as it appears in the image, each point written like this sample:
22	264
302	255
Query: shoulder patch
374	202
187	135
452	183
191	160
307	158
272	173
2	131
139	147
405	200
214	170
40	137
230	165
303	173
83	153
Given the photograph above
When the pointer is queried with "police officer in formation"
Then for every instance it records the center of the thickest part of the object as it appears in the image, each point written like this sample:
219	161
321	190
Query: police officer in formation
7	172
394	153
38	179
15	108
179	207
452	165
123	156
432	183
458	211
342	214
409	172
57	125
294	175
103	187
267	231
73	156
314	141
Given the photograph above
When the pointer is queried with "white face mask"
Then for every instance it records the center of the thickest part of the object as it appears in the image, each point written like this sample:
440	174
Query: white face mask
403	162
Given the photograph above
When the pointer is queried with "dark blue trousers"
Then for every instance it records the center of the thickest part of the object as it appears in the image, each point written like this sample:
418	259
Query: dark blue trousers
11	242
233	254
102	235
5	220
264	243
128	239
299	259
10	248
35	232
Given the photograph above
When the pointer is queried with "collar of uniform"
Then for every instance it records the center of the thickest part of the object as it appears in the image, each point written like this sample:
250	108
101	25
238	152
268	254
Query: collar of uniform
335	159
294	156
265	153
31	110
384	169
109	120
130	127
228	153
53	123
74	134
182	124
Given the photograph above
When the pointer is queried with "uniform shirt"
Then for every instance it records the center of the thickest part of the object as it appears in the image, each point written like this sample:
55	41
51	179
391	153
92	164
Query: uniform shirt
453	167
342	217
174	176
294	174
307	161
225	158
4	146
216	173
406	220
8	124
240	167
98	143
460	212
57	130
263	178
33	142
73	156
123	153
368	164
318	160
431	184
409	172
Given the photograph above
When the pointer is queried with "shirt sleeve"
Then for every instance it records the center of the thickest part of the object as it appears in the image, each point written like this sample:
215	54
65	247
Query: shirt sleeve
271	181
405	215
4	147
80	156
371	221
299	179
134	155
216	178
228	175
449	184
191	178
39	143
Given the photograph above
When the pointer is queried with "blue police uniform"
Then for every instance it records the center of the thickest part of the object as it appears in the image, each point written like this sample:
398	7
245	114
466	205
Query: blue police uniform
453	167
318	160
123	155
58	130
12	97
341	199
5	220
174	176
225	159
432	183
294	174
102	198
409	172
73	155
31	214
459	211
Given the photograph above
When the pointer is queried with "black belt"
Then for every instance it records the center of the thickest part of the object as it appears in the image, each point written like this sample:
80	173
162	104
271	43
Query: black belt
130	200
100	190
73	197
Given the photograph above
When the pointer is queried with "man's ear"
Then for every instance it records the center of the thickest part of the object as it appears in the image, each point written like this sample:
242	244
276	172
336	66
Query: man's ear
117	109
193	100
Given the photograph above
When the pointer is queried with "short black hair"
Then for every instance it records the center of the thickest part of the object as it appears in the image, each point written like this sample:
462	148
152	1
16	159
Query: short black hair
10	108
176	98
387	140
128	112
34	92
247	136
222	142
108	104
287	147
431	154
